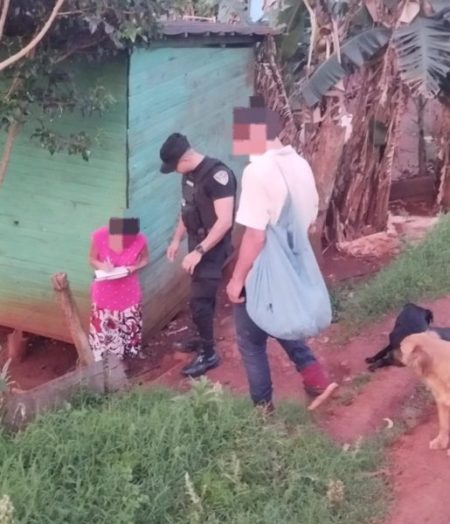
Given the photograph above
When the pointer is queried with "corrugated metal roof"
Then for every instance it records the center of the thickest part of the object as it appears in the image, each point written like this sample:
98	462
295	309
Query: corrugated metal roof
200	28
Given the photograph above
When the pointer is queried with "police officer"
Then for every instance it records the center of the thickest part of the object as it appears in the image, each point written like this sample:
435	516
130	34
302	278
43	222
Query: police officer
207	214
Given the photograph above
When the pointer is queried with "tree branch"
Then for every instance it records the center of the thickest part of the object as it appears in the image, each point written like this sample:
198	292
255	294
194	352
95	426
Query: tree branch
312	39
81	47
3	15
13	131
35	41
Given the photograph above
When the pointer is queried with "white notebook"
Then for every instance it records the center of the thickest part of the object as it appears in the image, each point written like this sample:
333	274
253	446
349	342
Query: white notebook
114	274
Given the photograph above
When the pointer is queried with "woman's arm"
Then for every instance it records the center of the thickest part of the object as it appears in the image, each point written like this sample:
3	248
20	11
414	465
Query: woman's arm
95	262
142	261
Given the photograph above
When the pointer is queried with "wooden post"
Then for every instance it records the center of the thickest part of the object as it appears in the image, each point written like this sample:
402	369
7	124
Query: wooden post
16	345
67	304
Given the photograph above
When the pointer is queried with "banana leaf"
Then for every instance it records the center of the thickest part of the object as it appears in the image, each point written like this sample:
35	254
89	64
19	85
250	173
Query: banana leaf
295	19
439	5
423	53
355	52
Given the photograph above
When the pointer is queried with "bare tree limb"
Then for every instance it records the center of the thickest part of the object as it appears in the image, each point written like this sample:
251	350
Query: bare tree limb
13	131
75	50
336	43
312	39
3	15
35	41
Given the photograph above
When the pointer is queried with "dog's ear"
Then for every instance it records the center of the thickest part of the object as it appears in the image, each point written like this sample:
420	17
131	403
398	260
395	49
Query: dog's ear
418	360
429	316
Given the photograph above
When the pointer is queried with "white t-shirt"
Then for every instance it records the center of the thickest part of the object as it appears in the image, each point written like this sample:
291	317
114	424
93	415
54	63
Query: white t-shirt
264	190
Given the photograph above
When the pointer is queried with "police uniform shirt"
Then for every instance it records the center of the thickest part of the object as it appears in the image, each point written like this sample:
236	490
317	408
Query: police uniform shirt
218	183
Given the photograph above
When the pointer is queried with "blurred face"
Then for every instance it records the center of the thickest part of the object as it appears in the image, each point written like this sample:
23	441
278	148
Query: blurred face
119	238
187	163
249	139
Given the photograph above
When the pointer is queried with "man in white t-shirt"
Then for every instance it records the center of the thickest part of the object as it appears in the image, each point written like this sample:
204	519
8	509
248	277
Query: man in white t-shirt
263	195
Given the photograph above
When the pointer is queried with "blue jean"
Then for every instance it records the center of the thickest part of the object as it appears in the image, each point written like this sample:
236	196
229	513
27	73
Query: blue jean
252	343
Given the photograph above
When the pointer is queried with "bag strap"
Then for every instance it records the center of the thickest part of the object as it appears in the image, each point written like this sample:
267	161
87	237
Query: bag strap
287	206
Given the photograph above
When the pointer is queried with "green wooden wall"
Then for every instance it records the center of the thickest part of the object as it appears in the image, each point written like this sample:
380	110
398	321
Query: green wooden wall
191	90
49	206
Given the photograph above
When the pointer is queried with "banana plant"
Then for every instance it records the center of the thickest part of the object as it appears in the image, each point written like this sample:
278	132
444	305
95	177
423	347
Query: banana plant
354	52
423	54
422	48
293	19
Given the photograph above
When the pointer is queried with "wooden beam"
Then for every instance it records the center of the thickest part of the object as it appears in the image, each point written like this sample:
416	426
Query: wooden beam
22	407
70	311
16	345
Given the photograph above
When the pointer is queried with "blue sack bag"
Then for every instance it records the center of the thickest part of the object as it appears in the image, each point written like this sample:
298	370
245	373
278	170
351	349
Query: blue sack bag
286	295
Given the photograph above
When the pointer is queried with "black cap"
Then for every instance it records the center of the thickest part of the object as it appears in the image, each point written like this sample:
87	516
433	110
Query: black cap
172	150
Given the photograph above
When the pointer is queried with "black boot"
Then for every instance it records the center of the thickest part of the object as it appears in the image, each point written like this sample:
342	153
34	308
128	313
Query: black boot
201	364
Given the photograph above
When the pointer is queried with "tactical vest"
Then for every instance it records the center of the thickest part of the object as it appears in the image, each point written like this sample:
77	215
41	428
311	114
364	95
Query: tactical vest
197	210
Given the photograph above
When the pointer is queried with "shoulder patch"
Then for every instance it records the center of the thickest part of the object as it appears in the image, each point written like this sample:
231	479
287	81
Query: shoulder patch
222	177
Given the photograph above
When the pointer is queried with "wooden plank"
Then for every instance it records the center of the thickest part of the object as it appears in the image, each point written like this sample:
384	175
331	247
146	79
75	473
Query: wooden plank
170	92
49	205
22	407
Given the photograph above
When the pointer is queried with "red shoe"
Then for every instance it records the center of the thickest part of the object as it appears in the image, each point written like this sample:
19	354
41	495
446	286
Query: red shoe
315	379
317	384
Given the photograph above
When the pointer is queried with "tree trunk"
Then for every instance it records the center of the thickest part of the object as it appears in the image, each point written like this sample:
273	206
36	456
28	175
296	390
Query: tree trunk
443	170
422	153
359	204
67	304
324	162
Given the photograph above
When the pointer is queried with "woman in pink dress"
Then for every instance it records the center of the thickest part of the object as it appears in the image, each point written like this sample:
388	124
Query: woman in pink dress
116	315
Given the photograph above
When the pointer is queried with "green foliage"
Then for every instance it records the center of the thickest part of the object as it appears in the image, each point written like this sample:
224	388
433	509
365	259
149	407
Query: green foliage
5	379
337	8
354	52
41	86
294	20
423	50
205	457
422	47
420	272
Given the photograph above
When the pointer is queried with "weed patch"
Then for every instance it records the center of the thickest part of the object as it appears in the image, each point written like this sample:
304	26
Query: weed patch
204	457
420	272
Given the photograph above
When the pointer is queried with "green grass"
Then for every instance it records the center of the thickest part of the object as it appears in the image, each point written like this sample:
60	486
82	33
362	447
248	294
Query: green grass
420	272
205	457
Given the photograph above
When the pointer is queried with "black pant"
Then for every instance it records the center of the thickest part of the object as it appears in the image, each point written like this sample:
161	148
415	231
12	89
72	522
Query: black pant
203	303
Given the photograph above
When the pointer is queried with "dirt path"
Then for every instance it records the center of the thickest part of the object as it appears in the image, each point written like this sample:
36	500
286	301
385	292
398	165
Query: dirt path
420	477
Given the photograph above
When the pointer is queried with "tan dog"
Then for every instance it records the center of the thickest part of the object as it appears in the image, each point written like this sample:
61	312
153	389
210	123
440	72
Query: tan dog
429	356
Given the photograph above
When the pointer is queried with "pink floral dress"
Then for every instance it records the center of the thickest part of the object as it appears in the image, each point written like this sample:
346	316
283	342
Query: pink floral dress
116	315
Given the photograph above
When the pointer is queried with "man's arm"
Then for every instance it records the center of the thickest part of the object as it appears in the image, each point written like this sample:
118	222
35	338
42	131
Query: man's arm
224	208
253	213
180	232
251	246
224	212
